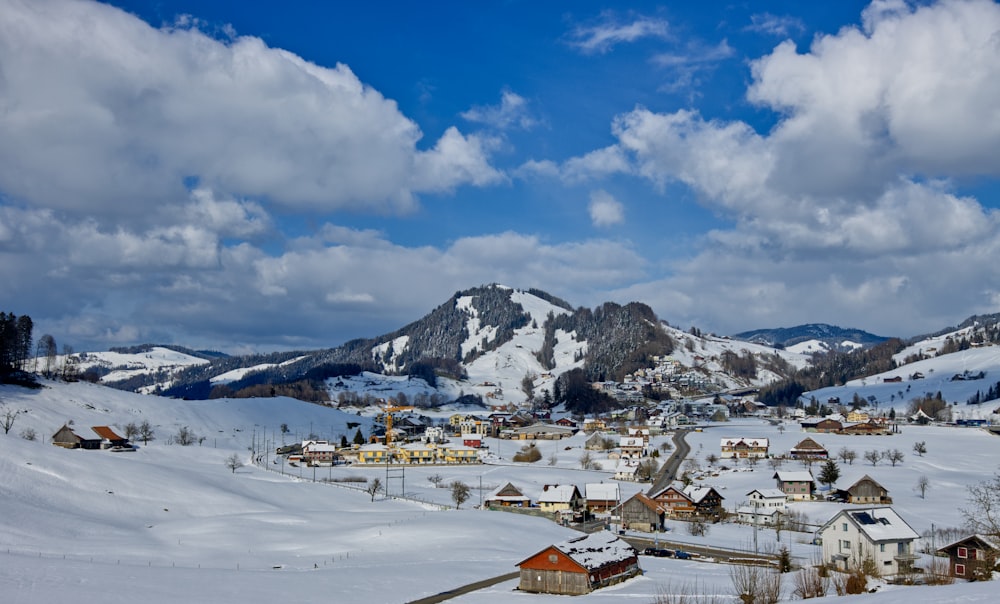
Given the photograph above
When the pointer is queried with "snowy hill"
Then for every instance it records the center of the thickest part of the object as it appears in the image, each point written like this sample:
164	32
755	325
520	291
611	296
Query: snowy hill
158	362
812	337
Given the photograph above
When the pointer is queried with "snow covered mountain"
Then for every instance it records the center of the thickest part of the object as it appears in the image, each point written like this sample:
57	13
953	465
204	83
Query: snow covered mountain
813	337
492	341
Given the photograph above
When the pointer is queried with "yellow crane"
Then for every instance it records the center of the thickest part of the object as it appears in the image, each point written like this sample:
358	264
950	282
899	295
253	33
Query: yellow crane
390	408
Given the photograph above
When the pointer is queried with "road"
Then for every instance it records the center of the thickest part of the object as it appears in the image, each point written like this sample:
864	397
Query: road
471	587
668	473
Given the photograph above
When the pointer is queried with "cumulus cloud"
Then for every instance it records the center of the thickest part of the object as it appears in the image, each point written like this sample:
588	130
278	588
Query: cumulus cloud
605	210
512	112
126	114
849	205
612	30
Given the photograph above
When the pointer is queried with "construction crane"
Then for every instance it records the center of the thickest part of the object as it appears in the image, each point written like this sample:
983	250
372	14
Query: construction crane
390	408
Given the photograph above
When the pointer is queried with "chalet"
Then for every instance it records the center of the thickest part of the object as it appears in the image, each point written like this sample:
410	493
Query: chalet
560	498
741	448
809	449
565	422
673	500
580	565
640	513
869	535
642	433
706	500
867	491
592	424
856	417
602	496
974	557
507	496
796	485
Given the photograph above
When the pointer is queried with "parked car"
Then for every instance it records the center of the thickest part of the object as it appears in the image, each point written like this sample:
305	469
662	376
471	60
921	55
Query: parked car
682	555
658	552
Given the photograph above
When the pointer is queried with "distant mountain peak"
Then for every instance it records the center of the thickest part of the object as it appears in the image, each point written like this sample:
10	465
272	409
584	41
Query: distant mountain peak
832	337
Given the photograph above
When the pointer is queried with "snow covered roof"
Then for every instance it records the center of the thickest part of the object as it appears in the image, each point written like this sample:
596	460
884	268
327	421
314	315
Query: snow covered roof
752	442
768	493
696	493
558	493
793	476
596	549
602	491
507	492
878	524
631	441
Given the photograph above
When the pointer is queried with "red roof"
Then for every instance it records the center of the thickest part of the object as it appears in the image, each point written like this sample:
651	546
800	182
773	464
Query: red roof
106	433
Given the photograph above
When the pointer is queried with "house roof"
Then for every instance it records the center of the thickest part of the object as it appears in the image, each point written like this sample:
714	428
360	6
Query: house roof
558	493
989	541
793	476
696	494
507	492
877	523
596	549
808	444
631	441
604	491
106	432
862	479
768	493
750	442
746	509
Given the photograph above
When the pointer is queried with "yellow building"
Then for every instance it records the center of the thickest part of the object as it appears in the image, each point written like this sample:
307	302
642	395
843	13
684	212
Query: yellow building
416	454
372	454
458	455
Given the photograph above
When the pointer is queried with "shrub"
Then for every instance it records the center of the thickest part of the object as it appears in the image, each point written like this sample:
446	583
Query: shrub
528	453
810	583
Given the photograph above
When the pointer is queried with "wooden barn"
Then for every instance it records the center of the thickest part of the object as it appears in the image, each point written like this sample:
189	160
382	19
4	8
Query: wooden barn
507	496
809	449
580	565
640	513
66	438
866	490
973	557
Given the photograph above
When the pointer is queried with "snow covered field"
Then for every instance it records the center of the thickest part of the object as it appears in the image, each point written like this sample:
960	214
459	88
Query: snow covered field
170	523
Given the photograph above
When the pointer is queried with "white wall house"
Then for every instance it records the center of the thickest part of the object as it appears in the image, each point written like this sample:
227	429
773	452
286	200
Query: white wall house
878	534
762	507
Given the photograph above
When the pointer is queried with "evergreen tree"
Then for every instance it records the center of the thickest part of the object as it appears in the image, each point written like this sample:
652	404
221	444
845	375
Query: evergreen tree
830	473
359	438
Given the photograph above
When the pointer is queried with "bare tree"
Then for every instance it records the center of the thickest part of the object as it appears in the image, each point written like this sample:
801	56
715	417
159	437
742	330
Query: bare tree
847	455
775	463
586	461
8	416
460	493
647	469
983	512
755	584
920	447
47	348
29	434
436	480
233	462
185	436
131	430
374	487
873	457
894	456
752	461
146	432
922	484
711	459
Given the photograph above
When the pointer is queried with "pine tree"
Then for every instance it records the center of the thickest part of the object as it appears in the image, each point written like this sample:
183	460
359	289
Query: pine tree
359	439
830	473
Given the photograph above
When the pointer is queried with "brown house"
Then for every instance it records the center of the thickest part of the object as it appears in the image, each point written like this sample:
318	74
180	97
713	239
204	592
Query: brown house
825	425
974	557
68	439
809	449
866	490
507	496
796	485
868	428
580	565
674	501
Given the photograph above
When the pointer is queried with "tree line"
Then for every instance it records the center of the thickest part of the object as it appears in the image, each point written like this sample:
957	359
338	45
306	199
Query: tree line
15	342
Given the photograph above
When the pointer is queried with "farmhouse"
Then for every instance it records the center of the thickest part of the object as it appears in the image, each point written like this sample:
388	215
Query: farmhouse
580	565
763	507
973	557
602	496
560	498
809	449
742	448
876	535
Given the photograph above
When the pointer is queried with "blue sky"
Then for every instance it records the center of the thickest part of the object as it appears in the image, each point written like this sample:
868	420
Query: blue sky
258	176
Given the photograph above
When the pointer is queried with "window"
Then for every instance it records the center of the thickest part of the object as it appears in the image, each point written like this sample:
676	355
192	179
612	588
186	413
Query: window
844	526
963	552
959	570
881	547
845	544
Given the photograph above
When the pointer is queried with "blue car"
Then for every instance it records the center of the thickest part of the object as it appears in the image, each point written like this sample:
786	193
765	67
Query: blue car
682	555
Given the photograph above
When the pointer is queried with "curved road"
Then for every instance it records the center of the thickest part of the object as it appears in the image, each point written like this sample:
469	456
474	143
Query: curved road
668	473
471	587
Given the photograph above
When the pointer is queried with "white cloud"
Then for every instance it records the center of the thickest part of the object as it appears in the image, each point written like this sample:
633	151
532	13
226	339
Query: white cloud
125	113
610	32
512	112
605	210
775	25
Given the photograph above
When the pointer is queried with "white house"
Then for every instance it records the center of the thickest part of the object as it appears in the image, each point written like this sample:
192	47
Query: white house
875	534
632	446
762	507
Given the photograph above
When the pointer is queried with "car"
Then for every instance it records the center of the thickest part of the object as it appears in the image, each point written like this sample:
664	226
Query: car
658	552
682	555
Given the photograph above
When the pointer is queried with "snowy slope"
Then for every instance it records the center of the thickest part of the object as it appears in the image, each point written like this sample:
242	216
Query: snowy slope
159	361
